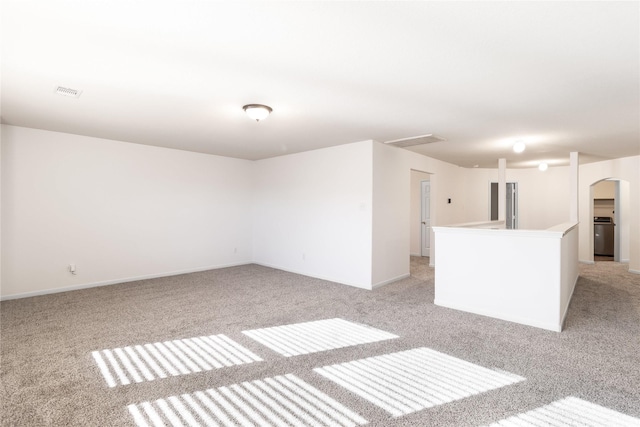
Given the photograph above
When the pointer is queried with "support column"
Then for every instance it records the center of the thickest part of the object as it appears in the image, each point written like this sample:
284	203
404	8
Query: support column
573	187
502	189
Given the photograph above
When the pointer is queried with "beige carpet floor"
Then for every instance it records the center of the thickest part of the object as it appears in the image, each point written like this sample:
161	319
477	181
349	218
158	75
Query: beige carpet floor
399	343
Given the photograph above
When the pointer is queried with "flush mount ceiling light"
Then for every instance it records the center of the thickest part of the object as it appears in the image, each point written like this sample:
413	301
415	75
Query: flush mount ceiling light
257	111
519	147
543	166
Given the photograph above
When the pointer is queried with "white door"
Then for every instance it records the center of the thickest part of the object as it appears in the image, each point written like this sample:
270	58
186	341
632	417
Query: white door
425	218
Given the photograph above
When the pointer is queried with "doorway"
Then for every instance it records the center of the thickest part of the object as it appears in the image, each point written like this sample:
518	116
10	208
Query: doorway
425	218
511	214
610	212
421	238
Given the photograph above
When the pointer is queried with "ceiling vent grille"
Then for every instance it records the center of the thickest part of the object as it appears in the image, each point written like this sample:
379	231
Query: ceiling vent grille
65	91
416	140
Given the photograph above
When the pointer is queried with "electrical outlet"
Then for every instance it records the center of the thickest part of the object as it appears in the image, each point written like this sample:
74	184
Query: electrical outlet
72	269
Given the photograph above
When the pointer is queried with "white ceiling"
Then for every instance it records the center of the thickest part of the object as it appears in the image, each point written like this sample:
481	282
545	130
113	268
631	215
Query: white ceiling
562	76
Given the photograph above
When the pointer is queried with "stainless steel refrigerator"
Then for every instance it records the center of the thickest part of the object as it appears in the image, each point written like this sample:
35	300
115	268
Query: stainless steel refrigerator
603	235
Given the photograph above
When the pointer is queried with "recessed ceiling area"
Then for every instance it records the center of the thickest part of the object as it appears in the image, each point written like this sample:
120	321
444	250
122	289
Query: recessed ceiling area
560	76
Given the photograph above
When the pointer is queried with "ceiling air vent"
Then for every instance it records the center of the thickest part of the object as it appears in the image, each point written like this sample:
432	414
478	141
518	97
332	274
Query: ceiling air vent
65	91
416	140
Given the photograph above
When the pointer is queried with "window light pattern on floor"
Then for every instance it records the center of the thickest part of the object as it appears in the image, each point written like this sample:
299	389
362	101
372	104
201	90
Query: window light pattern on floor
412	380
570	411
284	401
148	362
320	335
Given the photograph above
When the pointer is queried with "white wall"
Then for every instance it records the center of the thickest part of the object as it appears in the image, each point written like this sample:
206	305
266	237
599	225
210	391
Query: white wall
478	193
122	211
604	190
1	203
313	213
391	224
625	220
543	197
544	201
119	211
392	204
342	213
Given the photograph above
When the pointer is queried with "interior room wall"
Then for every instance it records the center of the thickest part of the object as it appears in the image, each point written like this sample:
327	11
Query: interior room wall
448	193
392	172
625	220
543	197
477	193
604	190
122	211
118	211
342	213
543	200
604	193
313	213
1	209
627	169
391	216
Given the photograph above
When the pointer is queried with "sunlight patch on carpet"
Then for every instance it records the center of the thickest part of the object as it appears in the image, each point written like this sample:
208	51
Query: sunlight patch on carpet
284	401
148	362
320	335
567	412
412	380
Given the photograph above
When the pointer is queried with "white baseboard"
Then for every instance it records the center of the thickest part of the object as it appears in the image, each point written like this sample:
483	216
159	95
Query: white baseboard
328	279
386	282
334	280
417	254
116	281
634	271
584	261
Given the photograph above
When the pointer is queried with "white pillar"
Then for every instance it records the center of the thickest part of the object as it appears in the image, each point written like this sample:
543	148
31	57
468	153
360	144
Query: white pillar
502	189
573	187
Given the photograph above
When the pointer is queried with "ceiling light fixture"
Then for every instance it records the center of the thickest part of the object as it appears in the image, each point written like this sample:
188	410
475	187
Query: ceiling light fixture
543	166
257	111
519	147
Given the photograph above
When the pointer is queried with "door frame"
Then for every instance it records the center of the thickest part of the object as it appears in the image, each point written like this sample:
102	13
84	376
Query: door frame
425	229
494	191
621	218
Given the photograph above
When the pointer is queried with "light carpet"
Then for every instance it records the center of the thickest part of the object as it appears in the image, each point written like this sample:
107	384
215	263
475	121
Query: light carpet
161	334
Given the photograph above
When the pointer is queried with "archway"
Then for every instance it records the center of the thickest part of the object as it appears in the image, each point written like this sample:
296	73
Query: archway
610	197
